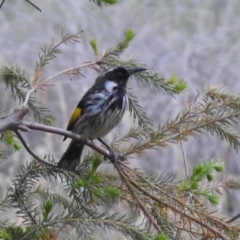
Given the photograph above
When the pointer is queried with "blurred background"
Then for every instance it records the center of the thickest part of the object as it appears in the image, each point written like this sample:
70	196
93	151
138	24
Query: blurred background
195	40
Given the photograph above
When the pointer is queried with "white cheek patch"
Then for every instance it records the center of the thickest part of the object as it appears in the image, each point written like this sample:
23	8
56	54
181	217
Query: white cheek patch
109	85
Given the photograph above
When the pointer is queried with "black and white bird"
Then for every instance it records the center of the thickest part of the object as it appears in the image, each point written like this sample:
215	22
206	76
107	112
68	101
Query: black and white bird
100	110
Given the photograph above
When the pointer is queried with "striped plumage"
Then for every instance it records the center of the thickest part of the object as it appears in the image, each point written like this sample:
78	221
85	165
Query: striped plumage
101	108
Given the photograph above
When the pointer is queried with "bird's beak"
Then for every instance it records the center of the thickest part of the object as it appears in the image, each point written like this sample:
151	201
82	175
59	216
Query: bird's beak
134	70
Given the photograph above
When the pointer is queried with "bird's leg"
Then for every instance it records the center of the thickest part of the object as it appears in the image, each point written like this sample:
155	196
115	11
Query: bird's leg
111	152
83	139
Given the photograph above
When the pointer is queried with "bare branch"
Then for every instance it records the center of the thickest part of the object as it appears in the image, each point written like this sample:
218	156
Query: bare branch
70	70
11	122
30	151
28	95
184	159
48	54
235	217
34	5
14	122
62	132
2	3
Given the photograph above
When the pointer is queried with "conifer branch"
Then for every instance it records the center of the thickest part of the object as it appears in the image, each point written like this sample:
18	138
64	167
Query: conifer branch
193	214
214	112
72	70
45	57
17	81
138	113
215	232
136	198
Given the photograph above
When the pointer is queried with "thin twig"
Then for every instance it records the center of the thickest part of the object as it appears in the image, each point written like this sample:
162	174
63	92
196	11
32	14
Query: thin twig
66	71
34	5
184	159
30	151
36	84
235	217
28	96
2	3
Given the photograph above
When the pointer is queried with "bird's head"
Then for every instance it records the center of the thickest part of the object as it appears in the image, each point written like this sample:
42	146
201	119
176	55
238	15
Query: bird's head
118	76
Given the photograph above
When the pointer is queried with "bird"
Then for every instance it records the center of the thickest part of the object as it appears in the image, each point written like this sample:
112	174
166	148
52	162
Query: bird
100	110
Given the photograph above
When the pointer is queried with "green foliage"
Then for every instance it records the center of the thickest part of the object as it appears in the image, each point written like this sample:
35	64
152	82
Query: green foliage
112	54
129	36
80	210
200	172
112	191
11	140
47	208
153	80
93	44
4	235
2	155
47	54
178	84
105	2
96	161
110	2
138	113
17	232
161	237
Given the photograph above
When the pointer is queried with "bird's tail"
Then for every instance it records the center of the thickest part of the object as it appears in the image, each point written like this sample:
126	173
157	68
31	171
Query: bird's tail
72	155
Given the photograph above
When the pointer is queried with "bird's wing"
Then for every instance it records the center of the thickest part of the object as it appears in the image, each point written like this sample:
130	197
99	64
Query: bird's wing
74	117
79	110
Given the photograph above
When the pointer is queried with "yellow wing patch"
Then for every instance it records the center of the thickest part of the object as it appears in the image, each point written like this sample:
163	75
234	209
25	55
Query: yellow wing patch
74	117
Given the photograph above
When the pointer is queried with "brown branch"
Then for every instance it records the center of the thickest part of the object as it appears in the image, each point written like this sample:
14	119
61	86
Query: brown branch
34	5
65	71
31	152
175	209
62	132
185	161
235	217
173	198
11	122
70	70
135	196
2	3
14	122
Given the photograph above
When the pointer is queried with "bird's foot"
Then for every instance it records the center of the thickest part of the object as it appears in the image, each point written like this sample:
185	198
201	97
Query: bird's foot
113	157
83	139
